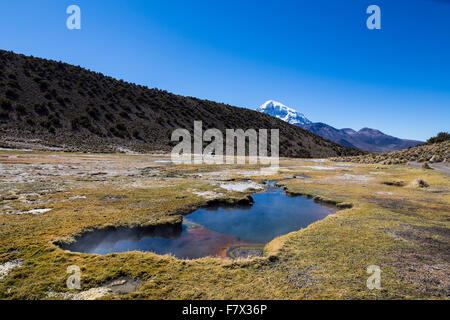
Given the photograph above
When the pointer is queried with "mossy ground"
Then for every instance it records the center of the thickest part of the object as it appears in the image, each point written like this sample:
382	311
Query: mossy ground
404	230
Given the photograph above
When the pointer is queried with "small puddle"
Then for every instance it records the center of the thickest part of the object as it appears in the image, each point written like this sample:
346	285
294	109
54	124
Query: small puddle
237	231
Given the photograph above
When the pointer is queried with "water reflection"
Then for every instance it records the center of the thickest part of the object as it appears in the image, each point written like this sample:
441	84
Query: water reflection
212	231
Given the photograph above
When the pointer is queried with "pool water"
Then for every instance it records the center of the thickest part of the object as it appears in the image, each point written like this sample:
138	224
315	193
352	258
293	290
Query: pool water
215	231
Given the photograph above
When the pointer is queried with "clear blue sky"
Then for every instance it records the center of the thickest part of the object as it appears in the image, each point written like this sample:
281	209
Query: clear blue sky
317	56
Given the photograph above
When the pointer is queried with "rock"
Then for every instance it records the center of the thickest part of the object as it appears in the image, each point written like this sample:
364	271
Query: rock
209	194
420	183
6	268
426	166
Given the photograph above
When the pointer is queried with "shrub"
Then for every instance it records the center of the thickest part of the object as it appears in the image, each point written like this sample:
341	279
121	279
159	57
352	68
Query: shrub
114	132
4	115
121	127
441	137
41	109
109	116
43	86
74	124
80	122
20	108
6	104
30	122
136	134
93	113
120	131
54	121
95	131
124	114
12	94
60	100
14	85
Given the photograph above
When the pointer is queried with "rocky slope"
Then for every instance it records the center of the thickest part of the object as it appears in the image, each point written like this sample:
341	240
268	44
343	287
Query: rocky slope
433	153
52	105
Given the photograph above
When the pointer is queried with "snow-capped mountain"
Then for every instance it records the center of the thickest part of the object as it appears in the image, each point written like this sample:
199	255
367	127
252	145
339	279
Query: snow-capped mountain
280	111
365	139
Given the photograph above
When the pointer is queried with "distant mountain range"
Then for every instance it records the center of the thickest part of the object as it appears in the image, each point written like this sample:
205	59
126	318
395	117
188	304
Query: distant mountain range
365	139
52	105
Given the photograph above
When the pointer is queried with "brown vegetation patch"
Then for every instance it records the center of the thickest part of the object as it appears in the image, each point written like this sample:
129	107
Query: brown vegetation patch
427	267
401	206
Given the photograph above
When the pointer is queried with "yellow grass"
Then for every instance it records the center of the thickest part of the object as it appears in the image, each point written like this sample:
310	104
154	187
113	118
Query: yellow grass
387	226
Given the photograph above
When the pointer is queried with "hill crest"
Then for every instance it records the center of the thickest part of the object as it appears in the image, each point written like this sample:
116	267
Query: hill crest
53	105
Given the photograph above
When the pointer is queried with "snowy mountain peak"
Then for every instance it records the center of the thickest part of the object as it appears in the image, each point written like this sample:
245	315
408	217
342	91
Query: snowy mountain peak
280	111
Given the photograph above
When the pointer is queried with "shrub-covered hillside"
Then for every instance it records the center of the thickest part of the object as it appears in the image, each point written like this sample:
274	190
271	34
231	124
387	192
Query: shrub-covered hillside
47	104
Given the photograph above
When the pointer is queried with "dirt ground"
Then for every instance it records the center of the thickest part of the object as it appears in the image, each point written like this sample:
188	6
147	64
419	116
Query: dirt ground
442	167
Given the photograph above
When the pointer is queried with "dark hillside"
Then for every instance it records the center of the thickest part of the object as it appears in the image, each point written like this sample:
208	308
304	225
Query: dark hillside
46	104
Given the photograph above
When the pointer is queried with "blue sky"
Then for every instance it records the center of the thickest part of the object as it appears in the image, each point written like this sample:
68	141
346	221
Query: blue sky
317	57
